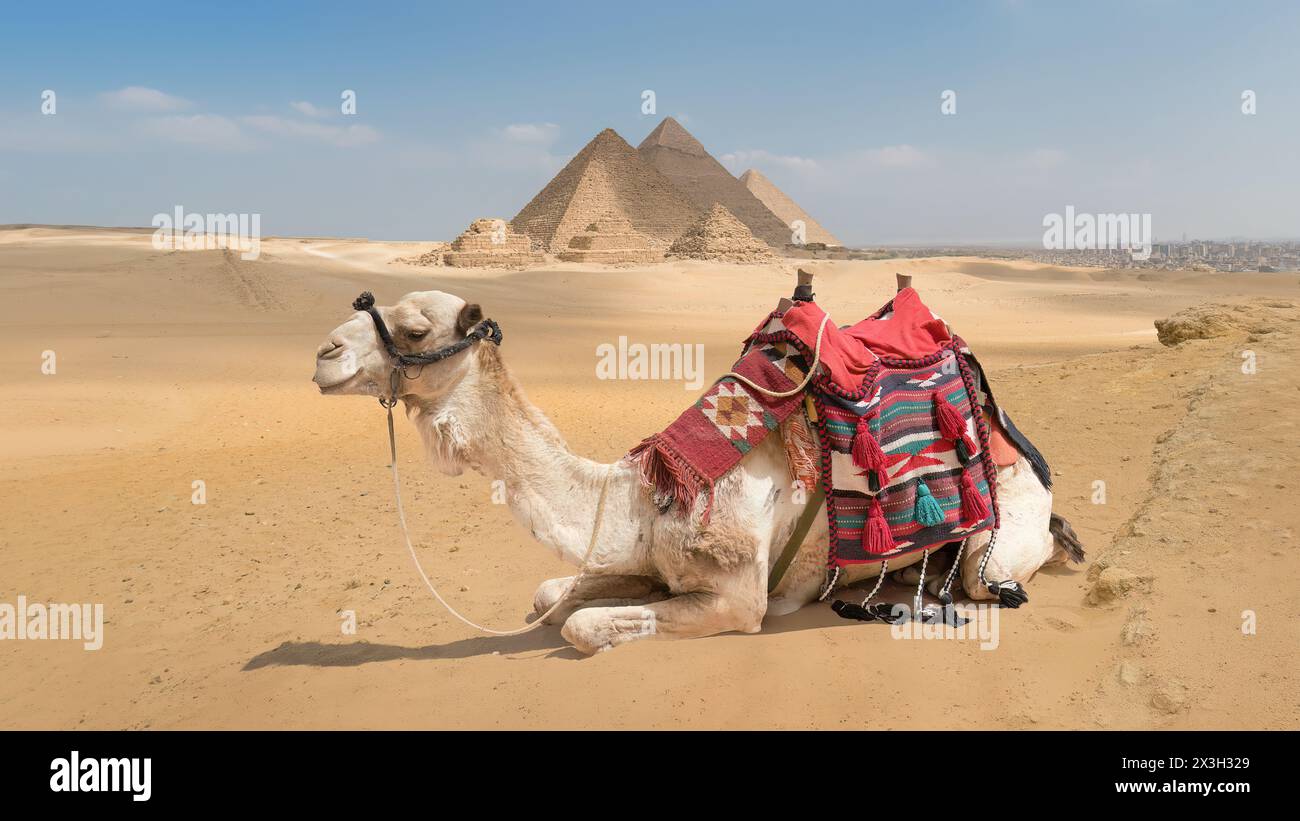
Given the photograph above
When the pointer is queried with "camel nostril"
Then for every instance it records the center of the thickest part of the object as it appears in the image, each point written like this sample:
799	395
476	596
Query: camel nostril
330	350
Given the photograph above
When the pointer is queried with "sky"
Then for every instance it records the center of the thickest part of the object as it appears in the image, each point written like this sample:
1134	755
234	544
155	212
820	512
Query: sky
467	110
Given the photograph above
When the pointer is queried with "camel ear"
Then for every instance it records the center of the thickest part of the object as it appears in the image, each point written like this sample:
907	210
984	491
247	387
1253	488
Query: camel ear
470	316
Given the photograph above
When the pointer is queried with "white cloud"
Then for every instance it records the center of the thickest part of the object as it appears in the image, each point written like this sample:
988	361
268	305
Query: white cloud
337	135
308	110
740	161
205	130
531	132
139	98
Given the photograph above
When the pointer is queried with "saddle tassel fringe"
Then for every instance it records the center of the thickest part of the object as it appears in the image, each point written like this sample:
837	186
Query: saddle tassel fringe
951	425
671	478
973	509
867	454
928	511
876	538
800	451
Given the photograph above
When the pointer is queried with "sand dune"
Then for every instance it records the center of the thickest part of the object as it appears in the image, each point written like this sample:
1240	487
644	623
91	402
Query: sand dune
174	367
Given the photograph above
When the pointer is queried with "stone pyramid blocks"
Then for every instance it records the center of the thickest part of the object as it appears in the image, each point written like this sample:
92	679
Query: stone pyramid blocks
786	209
683	160
721	237
606	177
611	239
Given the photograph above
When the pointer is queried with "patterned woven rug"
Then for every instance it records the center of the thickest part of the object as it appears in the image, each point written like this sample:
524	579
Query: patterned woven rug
904	451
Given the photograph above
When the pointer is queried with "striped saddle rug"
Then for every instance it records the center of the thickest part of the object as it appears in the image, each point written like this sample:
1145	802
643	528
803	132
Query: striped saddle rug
903	449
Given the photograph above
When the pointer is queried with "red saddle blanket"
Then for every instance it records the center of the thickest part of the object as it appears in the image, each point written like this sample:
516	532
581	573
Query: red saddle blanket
904	449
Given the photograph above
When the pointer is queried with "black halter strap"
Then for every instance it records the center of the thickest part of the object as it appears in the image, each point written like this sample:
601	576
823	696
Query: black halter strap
487	329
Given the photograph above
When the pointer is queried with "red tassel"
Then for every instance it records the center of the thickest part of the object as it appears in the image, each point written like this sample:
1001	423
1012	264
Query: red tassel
866	451
973	509
876	538
951	425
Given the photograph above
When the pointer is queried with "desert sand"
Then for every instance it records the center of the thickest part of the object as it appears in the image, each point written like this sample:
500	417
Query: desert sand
180	366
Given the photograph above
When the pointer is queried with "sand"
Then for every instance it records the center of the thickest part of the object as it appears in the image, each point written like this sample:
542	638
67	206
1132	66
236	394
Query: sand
183	366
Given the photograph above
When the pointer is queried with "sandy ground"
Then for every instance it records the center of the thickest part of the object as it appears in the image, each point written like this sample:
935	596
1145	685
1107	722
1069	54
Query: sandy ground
181	366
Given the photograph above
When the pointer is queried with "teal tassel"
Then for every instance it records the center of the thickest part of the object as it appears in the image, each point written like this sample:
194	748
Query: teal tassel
928	511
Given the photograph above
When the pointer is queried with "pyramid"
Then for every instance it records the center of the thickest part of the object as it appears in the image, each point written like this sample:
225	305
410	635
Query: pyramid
605	177
611	239
786	209
680	157
489	243
721	237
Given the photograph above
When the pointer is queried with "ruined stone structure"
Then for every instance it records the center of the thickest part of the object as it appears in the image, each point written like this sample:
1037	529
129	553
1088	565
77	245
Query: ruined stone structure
489	243
786	209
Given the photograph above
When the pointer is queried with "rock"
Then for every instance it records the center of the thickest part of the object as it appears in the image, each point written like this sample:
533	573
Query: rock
1214	321
1115	583
1129	673
1171	697
1136	629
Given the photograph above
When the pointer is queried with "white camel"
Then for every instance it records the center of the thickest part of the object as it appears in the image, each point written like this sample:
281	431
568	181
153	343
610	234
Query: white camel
650	574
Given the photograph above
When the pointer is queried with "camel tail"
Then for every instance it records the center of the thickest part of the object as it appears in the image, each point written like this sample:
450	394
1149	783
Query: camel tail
1065	538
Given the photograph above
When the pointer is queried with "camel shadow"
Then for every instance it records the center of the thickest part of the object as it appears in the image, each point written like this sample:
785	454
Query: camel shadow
357	653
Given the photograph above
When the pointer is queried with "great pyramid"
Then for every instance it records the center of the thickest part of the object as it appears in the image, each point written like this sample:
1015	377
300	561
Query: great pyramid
611	239
720	237
785	208
489	243
673	151
607	176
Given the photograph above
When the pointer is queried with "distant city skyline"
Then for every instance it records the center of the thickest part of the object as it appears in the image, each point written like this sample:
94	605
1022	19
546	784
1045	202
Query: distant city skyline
1111	107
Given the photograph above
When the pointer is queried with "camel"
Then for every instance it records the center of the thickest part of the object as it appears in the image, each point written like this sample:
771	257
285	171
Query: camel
649	574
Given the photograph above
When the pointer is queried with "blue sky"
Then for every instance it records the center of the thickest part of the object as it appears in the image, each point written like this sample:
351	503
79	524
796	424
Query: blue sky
466	110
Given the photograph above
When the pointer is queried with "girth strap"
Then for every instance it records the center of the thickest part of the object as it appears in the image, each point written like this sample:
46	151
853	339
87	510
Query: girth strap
792	546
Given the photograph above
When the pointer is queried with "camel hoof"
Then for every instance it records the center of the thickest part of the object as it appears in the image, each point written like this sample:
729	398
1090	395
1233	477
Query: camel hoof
598	629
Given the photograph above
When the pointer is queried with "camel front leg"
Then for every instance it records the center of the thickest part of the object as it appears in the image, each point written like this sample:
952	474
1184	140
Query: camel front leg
689	615
594	591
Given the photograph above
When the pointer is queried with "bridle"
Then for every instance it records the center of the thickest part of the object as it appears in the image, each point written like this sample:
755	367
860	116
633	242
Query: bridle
486	329
489	330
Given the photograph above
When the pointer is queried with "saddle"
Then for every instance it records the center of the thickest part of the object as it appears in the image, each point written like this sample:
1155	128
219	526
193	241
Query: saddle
908	435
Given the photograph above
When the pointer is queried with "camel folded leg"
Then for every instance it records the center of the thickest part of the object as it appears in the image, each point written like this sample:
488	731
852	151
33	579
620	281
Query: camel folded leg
595	591
686	616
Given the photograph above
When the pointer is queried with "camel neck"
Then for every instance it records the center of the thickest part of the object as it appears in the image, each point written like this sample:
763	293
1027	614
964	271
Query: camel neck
550	490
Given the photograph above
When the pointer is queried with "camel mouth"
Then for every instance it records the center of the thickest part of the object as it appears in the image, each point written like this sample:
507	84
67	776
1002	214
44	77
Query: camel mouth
356	384
329	389
336	386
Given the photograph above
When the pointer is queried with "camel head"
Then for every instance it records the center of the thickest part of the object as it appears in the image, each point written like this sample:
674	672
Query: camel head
352	359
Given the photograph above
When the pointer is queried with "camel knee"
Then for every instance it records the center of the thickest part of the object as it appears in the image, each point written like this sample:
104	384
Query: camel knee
549	592
739	610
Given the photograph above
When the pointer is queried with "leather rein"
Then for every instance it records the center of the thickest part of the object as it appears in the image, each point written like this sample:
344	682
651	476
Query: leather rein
484	330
